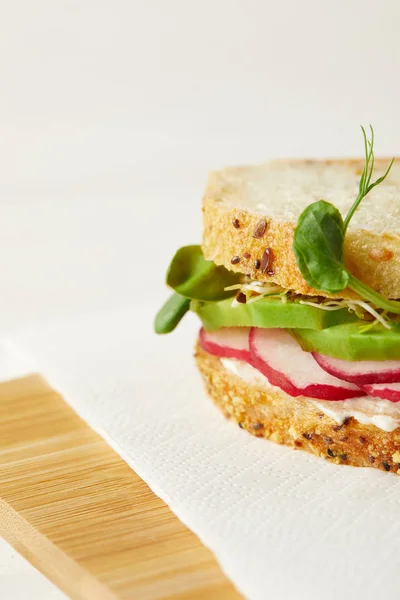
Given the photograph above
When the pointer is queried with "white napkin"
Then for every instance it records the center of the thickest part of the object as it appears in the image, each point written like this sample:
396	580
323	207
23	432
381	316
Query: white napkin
282	524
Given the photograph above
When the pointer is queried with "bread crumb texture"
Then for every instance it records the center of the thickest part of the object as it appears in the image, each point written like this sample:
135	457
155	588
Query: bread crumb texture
247	210
297	423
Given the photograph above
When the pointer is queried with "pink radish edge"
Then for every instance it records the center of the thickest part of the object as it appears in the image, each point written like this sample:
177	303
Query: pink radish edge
228	342
327	387
361	372
385	391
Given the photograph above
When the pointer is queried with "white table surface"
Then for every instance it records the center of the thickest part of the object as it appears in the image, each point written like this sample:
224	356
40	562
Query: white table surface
112	112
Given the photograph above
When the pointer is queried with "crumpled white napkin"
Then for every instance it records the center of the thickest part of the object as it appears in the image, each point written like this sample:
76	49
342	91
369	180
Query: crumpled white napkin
282	524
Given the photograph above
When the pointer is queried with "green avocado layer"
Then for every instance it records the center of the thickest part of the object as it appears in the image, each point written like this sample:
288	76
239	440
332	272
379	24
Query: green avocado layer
348	342
268	313
200	285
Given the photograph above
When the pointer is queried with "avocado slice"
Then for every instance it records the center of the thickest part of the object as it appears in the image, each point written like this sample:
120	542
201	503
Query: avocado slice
347	341
267	313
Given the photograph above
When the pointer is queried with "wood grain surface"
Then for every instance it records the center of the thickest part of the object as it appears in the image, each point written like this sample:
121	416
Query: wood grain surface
77	512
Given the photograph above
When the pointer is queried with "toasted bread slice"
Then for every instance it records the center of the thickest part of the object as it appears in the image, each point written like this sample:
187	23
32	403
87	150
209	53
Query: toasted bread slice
247	210
297	422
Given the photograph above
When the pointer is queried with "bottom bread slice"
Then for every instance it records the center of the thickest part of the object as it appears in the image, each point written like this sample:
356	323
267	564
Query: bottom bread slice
296	422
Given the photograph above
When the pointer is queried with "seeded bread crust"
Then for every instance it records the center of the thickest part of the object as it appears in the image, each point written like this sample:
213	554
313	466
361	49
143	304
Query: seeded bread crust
297	423
229	229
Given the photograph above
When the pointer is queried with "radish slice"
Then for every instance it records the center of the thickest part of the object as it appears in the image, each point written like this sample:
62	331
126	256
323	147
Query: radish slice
388	391
228	342
279	357
360	372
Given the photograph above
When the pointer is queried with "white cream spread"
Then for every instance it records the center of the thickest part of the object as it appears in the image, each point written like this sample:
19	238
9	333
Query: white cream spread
246	372
366	410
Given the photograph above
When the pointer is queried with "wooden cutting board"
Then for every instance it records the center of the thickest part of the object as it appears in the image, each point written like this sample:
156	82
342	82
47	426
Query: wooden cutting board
78	513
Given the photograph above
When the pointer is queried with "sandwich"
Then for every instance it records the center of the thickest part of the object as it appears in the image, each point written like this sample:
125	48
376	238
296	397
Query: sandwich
297	287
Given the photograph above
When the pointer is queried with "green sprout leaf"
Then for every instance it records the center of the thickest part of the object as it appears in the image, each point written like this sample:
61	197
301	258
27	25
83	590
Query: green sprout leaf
319	241
169	316
320	227
194	277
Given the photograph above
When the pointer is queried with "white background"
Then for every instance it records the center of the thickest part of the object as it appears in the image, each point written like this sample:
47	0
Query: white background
112	112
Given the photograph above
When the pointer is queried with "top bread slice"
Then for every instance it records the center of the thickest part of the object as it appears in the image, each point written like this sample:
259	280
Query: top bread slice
247	210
